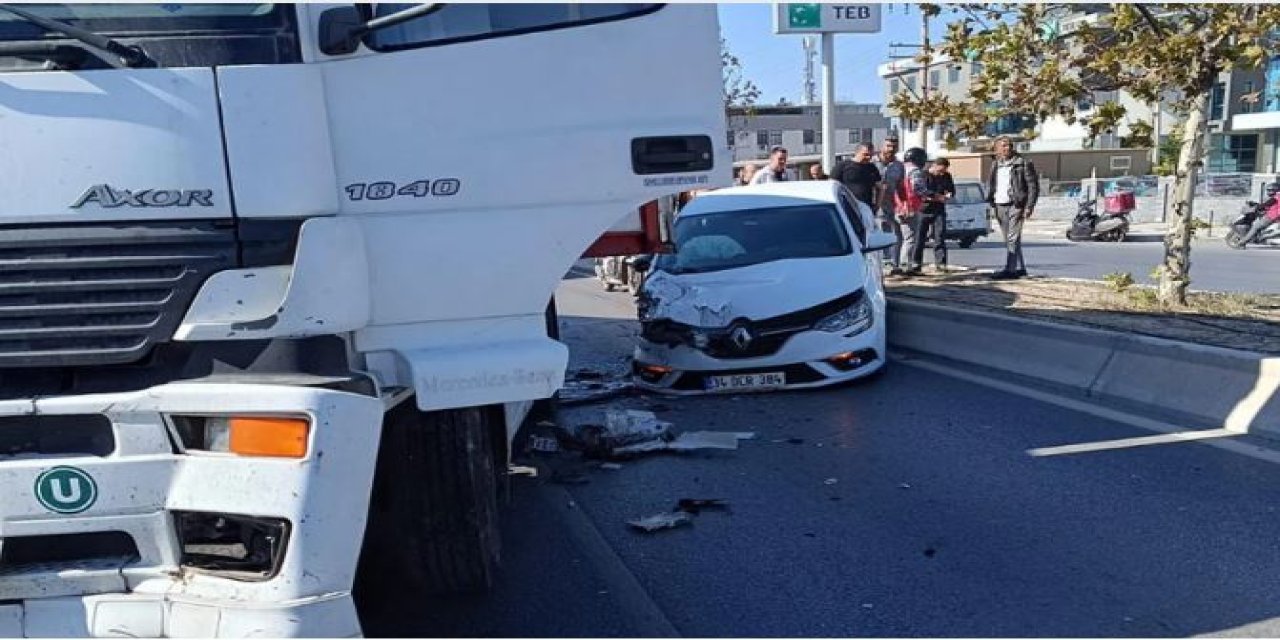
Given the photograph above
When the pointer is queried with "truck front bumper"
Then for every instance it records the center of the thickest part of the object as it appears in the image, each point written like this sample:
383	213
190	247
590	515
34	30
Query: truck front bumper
137	485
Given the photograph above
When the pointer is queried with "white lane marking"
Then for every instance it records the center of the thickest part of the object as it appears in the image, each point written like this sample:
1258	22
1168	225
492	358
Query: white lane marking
1129	443
1234	446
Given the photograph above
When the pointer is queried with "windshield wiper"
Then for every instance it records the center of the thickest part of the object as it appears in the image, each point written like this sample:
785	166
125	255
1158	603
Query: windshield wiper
131	56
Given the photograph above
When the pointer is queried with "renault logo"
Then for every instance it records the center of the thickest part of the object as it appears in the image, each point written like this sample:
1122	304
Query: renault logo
741	338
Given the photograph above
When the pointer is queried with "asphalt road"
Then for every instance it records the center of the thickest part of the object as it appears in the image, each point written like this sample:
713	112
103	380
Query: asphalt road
1214	266
911	505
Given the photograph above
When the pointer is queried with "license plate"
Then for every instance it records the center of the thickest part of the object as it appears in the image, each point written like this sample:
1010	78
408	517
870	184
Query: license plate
746	382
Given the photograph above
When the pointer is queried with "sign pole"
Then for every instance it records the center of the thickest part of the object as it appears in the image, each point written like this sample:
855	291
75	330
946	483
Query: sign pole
828	102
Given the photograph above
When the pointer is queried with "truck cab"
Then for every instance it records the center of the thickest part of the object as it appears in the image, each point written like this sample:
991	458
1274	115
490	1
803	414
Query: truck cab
272	291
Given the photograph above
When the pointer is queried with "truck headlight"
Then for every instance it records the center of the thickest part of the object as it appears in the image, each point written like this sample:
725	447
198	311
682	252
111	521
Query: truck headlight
262	436
855	318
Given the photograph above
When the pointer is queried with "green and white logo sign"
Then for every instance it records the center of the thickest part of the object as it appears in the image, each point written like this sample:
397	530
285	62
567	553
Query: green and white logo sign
66	490
804	15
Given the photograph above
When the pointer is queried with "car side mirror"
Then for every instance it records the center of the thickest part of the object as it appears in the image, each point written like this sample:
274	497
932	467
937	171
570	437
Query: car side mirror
342	28
879	241
642	263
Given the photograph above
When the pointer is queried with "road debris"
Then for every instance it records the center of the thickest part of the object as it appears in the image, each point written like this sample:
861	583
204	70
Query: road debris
662	521
904	486
610	466
696	505
544	444
830	481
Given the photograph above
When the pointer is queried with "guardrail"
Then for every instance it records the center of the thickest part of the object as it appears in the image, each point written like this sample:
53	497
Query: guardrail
1208	386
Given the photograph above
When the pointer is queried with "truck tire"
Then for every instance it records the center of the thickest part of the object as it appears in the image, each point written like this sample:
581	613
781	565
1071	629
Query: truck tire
433	516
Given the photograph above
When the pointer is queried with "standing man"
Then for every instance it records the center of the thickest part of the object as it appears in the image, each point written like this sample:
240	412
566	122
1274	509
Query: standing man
891	175
748	172
860	176
909	204
776	170
933	220
815	173
1013	186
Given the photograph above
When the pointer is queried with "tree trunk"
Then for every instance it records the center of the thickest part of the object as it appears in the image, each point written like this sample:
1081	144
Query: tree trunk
1175	273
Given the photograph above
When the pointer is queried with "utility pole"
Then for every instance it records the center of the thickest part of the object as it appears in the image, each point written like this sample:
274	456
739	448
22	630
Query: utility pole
828	102
922	136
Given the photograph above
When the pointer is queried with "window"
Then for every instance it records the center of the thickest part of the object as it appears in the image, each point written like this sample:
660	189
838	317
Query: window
775	137
1215	101
935	78
911	83
1248	103
855	136
807	137
953	74
732	138
894	87
975	70
762	138
457	22
854	213
866	136
714	241
1233	154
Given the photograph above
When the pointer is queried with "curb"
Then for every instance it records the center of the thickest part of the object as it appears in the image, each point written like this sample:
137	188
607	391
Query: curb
1211	385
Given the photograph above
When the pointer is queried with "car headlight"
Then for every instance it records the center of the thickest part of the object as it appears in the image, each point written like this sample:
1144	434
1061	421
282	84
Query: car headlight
857	317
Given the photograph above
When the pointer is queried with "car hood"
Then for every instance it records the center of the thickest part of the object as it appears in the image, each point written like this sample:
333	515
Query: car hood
756	292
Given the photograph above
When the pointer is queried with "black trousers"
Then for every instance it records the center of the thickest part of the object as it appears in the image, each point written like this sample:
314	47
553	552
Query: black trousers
932	226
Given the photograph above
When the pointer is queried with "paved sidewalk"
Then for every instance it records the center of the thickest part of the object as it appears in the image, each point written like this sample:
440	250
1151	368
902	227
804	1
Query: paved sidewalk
1138	232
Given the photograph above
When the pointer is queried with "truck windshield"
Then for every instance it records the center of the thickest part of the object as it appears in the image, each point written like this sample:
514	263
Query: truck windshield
133	18
732	239
172	35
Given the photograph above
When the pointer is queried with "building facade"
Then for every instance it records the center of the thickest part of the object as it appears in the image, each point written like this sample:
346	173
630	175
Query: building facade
799	128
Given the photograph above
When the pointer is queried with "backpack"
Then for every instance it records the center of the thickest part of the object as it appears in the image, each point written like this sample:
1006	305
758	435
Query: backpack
906	202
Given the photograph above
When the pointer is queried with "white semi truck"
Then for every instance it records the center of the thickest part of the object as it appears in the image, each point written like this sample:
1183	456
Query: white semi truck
269	273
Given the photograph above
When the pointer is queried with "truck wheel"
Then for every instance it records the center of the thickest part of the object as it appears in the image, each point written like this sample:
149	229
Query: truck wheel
967	241
433	516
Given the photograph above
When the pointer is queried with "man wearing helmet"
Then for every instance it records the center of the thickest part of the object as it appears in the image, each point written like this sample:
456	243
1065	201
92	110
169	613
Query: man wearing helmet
1013	186
1270	214
909	202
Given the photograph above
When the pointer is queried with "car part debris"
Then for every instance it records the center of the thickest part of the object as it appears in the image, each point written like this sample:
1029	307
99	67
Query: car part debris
830	481
694	440
611	466
662	521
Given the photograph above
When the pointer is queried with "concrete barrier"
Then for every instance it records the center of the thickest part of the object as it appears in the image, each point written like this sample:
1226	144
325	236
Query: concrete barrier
1211	386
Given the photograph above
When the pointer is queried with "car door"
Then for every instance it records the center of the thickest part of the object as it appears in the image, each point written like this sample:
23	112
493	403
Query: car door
860	219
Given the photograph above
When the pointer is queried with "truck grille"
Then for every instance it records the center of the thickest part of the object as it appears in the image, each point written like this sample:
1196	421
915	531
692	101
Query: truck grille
90	295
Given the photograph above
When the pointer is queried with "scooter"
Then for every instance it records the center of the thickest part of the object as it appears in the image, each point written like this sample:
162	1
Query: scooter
1111	226
619	271
1270	235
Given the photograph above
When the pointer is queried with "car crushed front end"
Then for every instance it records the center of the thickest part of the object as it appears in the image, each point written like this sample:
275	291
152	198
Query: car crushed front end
832	342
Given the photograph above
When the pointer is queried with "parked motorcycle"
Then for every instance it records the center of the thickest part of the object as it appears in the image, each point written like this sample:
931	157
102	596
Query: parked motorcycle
1110	226
621	271
1249	214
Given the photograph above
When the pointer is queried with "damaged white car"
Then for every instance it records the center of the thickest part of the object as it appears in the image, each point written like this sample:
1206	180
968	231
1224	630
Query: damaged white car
774	286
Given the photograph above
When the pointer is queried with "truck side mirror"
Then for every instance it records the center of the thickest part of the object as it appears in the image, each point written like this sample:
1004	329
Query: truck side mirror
339	30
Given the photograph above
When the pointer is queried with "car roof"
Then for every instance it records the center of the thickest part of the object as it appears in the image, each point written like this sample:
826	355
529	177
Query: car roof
760	196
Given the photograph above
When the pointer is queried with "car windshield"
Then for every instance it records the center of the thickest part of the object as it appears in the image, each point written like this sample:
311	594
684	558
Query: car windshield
968	193
731	239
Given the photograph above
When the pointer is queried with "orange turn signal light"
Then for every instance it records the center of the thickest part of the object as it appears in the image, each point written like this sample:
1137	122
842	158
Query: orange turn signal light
271	437
655	368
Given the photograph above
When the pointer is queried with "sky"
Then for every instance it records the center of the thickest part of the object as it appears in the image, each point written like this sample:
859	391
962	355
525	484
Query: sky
776	63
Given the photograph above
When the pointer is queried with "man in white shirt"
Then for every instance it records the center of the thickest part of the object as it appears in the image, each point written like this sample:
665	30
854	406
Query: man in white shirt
776	170
1013	186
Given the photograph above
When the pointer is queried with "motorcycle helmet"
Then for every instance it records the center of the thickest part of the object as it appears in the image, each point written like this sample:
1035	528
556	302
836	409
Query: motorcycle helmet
916	156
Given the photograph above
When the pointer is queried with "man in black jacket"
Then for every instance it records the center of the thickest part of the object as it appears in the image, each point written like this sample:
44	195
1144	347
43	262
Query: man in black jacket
1013	186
